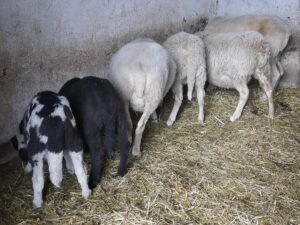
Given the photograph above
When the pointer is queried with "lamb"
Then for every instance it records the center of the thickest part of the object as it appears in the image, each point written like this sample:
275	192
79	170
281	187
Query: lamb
233	59
143	72
97	106
48	131
275	31
188	52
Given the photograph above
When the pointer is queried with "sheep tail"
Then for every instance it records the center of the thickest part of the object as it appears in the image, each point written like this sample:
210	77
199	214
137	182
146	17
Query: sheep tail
190	85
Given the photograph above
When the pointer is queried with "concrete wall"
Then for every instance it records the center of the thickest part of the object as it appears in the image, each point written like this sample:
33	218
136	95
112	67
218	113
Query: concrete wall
44	43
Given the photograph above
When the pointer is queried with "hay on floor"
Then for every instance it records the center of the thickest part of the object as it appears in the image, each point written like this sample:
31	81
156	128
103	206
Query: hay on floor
246	172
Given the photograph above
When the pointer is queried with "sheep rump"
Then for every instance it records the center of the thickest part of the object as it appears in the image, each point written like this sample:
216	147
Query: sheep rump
143	72
275	31
233	59
188	52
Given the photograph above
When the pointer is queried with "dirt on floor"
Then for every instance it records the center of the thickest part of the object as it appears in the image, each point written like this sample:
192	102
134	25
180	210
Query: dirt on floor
246	172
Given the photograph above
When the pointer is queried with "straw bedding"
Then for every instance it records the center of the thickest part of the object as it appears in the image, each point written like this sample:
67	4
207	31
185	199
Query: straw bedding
246	172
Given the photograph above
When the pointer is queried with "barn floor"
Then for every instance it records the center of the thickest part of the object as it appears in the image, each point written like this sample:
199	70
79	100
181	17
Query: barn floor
247	172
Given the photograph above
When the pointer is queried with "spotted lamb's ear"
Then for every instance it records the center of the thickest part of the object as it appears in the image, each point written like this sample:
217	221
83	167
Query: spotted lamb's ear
14	142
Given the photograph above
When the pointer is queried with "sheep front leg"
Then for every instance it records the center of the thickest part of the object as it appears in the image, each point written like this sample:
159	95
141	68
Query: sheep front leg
243	90
38	182
136	149
77	160
177	91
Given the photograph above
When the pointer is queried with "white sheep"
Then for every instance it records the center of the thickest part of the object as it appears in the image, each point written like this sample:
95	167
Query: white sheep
188	52
233	59
142	71
275	31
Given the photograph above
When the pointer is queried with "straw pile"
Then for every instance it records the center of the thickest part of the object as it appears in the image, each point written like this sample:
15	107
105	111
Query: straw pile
247	172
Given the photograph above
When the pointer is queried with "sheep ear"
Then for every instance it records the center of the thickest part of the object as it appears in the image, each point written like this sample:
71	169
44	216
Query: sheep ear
14	142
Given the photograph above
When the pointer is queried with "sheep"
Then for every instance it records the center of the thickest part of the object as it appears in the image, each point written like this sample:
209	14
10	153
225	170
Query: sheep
48	131
97	106
275	31
188	52
143	72
233	58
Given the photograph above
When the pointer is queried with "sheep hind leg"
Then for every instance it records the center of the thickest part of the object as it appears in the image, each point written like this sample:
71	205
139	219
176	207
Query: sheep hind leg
38	181
129	121
77	160
178	93
279	66
244	94
109	138
55	161
266	86
97	153
69	164
123	143
200	98
136	149
277	72
274	77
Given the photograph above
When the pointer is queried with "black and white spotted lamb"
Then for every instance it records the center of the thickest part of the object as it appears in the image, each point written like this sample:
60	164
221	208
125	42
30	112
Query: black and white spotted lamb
48	131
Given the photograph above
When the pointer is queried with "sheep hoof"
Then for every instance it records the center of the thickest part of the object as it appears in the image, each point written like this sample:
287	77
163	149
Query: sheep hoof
233	118
154	120
56	181
57	185
121	174
37	203
136	152
170	123
111	154
201	122
71	171
92	184
86	193
263	98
